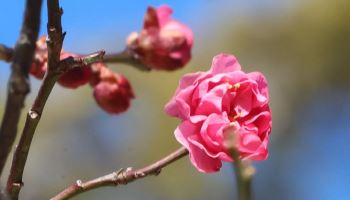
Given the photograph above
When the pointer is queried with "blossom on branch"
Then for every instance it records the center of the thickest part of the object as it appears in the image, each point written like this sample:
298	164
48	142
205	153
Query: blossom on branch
111	91
209	103
164	43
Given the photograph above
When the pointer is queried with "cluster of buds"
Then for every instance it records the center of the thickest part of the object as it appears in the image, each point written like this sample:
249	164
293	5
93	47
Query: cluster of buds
111	91
162	44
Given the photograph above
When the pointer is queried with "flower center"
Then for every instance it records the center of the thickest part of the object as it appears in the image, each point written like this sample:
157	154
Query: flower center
233	87
234	115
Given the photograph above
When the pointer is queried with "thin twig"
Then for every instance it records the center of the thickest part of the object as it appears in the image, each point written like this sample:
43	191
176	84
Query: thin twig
18	85
126	57
121	176
6	53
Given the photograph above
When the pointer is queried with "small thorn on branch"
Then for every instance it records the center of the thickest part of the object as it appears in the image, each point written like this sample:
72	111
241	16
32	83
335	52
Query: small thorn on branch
79	183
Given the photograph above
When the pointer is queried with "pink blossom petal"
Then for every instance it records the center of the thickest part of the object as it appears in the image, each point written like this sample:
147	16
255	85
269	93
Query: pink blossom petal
260	154
244	100
198	142
212	128
223	63
185	130
176	26
249	142
202	161
211	102
261	83
179	105
261	120
198	155
197	118
207	81
164	14
189	79
211	134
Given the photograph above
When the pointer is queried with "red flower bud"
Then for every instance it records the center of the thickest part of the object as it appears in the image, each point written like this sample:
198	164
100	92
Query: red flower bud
39	65
75	77
112	91
71	79
164	43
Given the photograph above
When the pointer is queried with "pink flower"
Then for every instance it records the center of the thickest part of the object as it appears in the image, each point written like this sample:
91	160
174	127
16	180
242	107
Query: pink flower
112	91
75	77
164	43
210	102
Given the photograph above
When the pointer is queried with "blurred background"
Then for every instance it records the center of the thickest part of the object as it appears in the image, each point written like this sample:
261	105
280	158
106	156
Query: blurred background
301	46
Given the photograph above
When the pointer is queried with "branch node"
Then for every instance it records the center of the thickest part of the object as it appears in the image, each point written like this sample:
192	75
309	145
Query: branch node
79	183
18	185
124	174
129	169
33	114
248	171
119	171
139	174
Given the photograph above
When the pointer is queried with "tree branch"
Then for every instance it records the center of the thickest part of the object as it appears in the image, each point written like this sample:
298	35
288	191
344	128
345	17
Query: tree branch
14	182
6	53
54	43
126	57
18	85
121	176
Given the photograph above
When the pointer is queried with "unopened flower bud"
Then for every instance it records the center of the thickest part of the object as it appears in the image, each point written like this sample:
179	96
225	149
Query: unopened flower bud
164	43
112	91
75	77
